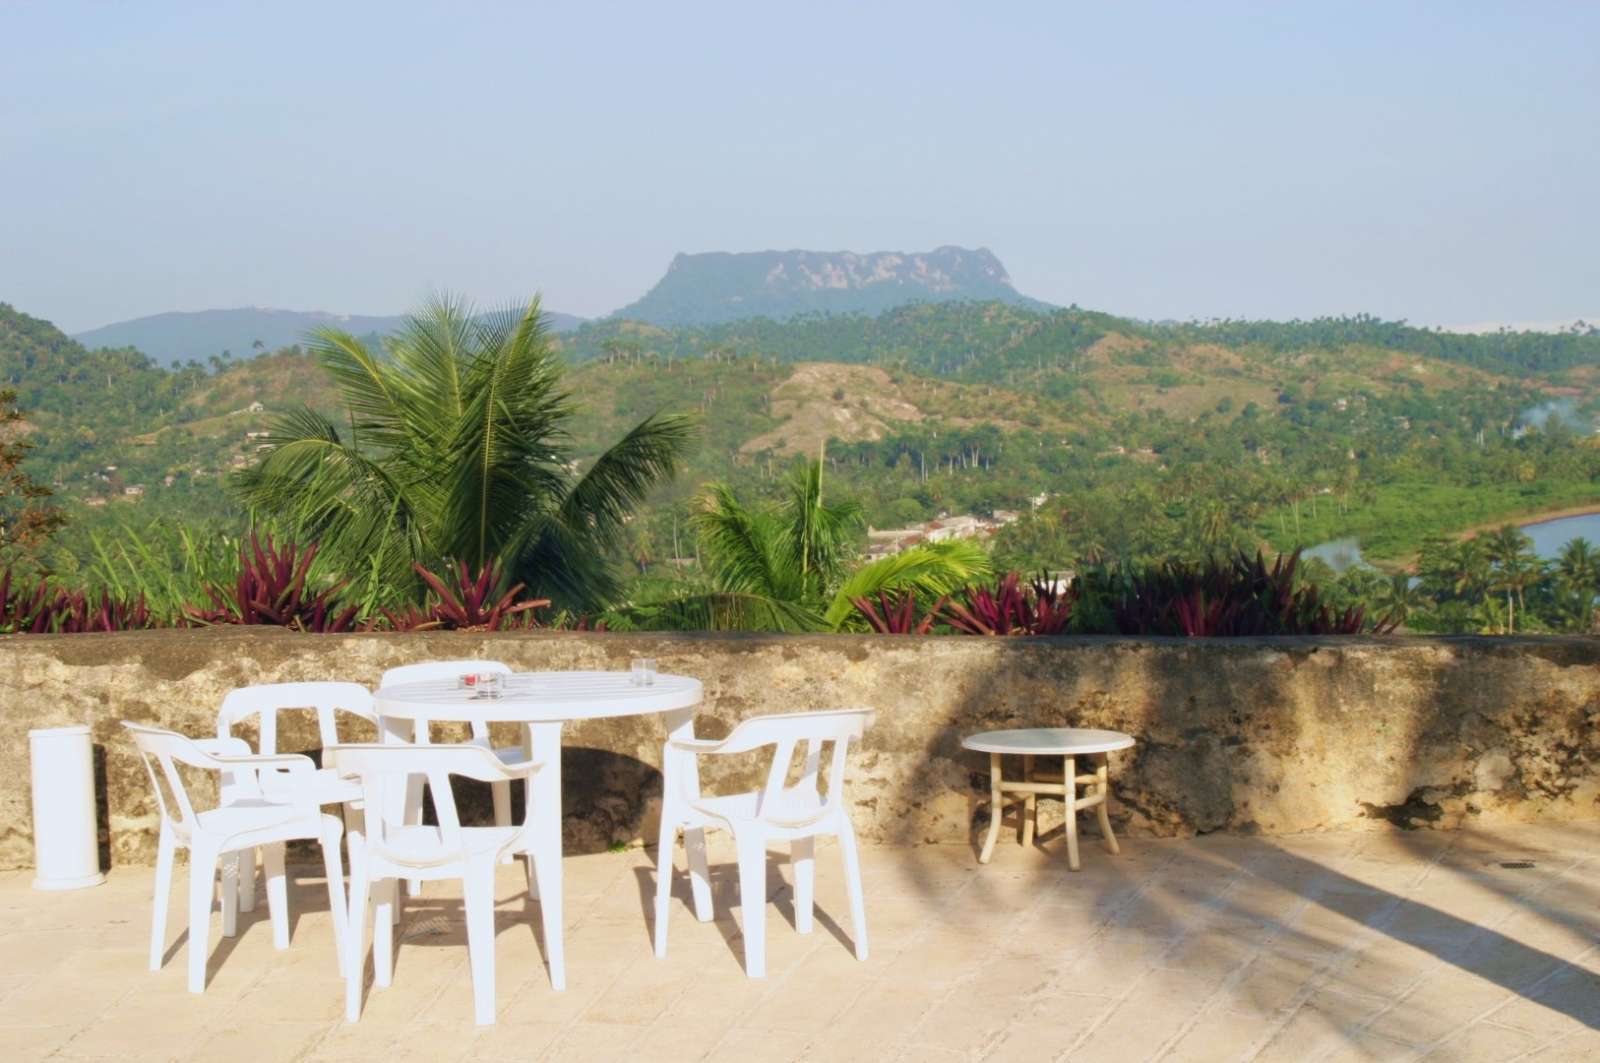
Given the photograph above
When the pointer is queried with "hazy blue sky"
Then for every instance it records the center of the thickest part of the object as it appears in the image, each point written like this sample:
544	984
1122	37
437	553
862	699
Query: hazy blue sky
1437	162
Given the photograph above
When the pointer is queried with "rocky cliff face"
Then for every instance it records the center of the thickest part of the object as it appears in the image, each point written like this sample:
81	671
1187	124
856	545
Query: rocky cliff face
721	286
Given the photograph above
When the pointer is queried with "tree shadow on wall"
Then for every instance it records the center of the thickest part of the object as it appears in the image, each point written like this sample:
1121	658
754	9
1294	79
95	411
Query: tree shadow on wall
1332	915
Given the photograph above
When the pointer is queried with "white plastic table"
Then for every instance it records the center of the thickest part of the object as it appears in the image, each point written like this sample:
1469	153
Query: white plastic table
542	702
1068	743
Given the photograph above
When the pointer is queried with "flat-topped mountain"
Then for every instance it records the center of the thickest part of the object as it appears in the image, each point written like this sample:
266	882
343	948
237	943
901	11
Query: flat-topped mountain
721	286
177	337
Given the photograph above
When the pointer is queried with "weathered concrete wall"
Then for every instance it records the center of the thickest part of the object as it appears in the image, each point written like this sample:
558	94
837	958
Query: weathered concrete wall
1270	735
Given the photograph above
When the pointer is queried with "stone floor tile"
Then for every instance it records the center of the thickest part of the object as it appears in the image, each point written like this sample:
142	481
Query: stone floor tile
1308	948
600	1042
1485	1042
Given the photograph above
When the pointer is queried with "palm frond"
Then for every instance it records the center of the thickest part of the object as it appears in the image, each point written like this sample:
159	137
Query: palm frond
933	570
740	545
715	611
601	500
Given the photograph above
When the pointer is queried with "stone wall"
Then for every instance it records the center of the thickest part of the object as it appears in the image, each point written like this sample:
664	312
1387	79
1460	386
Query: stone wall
1255	735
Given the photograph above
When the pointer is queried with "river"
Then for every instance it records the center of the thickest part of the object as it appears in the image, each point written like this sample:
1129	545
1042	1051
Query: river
1548	536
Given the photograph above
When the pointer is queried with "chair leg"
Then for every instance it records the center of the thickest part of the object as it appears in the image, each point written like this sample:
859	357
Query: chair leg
852	881
753	899
228	894
356	947
272	859
1069	780
478	892
385	896
1102	785
165	848
247	880
802	855
202	873
338	905
996	809
501	793
694	847
666	842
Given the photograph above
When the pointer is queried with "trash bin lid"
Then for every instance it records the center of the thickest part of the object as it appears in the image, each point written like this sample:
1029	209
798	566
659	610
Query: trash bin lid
58	732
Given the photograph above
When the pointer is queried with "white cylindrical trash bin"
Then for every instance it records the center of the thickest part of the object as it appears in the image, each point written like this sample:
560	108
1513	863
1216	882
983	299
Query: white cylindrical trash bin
66	848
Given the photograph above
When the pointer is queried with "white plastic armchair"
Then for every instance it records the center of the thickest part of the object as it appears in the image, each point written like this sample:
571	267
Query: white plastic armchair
777	812
388	851
265	703
233	826
433	670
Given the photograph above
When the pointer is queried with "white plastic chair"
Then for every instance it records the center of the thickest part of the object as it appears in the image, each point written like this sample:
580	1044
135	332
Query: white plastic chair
777	812
277	814
266	702
387	852
431	670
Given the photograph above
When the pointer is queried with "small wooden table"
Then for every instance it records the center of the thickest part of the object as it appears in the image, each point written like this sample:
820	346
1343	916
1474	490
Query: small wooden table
1069	743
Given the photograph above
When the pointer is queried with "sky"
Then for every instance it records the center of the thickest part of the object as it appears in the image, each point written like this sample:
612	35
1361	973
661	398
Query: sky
1432	162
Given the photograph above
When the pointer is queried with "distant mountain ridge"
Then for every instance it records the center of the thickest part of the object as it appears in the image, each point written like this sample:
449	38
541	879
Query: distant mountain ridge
719	286
176	337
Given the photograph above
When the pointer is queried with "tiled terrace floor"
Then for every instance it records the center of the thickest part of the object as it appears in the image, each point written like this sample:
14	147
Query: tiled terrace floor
1307	948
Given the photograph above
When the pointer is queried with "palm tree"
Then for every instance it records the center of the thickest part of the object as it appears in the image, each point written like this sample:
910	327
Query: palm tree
457	447
1578	572
1515	567
787	567
1397	597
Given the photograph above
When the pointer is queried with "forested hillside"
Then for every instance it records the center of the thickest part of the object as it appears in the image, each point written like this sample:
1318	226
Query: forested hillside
1114	438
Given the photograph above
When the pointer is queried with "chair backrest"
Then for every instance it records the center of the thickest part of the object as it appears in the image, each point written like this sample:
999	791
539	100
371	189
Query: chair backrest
168	749
381	766
430	670
786	730
327	700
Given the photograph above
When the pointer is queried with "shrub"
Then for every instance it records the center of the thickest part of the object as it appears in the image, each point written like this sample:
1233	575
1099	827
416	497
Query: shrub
1042	607
271	589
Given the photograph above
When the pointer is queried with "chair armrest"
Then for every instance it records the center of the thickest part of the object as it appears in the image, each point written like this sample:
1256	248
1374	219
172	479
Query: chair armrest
697	745
224	747
521	769
291	762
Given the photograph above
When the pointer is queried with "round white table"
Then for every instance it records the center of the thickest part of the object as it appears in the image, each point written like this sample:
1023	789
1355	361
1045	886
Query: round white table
1068	743
542	702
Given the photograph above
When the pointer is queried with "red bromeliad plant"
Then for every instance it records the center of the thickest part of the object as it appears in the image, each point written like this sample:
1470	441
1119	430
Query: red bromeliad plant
469	605
897	615
1225	597
271	589
55	610
1043	607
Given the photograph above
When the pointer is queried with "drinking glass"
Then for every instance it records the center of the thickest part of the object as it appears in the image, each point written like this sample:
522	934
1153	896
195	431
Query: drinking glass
490	684
644	671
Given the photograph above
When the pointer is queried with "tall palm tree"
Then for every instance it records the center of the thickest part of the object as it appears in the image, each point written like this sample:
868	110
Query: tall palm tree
1516	568
1397	597
457	446
787	567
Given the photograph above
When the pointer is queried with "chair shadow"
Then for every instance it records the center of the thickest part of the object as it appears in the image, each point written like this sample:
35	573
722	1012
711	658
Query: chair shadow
779	894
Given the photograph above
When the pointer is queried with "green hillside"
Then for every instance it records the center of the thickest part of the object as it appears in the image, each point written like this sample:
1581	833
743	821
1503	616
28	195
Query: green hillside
1141	439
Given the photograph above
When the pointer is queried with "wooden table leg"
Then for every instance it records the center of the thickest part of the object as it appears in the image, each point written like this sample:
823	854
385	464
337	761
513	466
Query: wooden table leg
1069	784
1102	774
995	809
1030	805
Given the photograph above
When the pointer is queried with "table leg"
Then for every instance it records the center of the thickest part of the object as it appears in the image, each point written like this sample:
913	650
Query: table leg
995	809
1102	782
545	743
1030	805
1069	781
